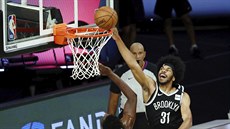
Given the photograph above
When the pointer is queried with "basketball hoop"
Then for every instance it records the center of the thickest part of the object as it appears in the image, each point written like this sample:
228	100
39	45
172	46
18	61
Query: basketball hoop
86	45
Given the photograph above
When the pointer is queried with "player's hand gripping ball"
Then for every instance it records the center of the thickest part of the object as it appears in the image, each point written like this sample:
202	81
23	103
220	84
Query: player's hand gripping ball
105	17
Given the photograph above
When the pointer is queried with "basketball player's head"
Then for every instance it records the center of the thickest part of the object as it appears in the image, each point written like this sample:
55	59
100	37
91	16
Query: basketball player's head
176	64
138	51
111	122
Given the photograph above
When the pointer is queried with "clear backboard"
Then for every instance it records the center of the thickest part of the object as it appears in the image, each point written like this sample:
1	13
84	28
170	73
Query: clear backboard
27	25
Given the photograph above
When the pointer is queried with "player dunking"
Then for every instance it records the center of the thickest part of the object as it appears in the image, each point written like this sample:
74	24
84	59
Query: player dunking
117	99
167	105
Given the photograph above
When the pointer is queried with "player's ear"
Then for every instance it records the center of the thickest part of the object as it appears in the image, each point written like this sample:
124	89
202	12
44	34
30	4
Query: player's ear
174	78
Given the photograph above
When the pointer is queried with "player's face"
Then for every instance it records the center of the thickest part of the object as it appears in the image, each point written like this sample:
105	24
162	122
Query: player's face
165	74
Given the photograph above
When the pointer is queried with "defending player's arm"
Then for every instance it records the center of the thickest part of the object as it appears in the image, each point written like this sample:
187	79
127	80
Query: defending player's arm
130	105
186	112
148	85
114	97
113	103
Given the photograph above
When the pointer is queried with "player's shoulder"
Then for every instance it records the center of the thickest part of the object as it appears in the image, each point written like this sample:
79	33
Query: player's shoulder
179	87
186	97
182	89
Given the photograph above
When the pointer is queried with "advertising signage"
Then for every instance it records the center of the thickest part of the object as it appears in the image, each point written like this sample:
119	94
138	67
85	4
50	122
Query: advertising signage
80	109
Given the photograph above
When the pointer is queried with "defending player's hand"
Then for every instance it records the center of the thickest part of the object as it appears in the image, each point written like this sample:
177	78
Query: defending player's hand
104	70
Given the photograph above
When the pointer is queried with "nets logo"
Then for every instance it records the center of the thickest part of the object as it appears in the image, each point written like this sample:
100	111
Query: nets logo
34	125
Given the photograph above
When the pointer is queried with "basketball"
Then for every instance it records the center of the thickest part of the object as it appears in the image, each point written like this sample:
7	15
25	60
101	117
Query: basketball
105	17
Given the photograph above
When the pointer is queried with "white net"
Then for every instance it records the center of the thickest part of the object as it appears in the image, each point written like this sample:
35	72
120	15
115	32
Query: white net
86	51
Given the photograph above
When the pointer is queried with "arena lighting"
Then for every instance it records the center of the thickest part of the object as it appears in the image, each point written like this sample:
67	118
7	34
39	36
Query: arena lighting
66	66
2	70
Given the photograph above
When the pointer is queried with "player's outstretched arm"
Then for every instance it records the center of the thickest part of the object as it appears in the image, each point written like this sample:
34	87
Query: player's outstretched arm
148	85
129	57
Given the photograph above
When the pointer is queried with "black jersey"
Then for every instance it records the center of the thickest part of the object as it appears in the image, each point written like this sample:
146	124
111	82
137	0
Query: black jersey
164	110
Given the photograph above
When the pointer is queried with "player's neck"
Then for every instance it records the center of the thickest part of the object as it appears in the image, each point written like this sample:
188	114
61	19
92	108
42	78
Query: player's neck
167	88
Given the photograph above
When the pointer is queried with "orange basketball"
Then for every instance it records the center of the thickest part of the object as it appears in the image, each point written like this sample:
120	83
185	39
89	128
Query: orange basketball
105	17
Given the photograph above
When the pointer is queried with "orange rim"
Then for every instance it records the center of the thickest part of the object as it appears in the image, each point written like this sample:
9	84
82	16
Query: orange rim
61	32
78	32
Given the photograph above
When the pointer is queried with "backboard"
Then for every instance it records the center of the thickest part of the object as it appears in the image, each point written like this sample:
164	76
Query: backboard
27	25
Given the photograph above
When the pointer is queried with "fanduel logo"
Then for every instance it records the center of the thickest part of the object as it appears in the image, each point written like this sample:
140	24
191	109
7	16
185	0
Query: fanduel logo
71	123
34	125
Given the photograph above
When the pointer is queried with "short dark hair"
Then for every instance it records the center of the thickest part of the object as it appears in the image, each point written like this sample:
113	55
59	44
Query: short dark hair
178	64
112	122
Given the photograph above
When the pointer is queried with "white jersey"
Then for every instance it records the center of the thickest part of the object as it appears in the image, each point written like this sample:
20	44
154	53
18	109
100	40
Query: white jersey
127	76
136	87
